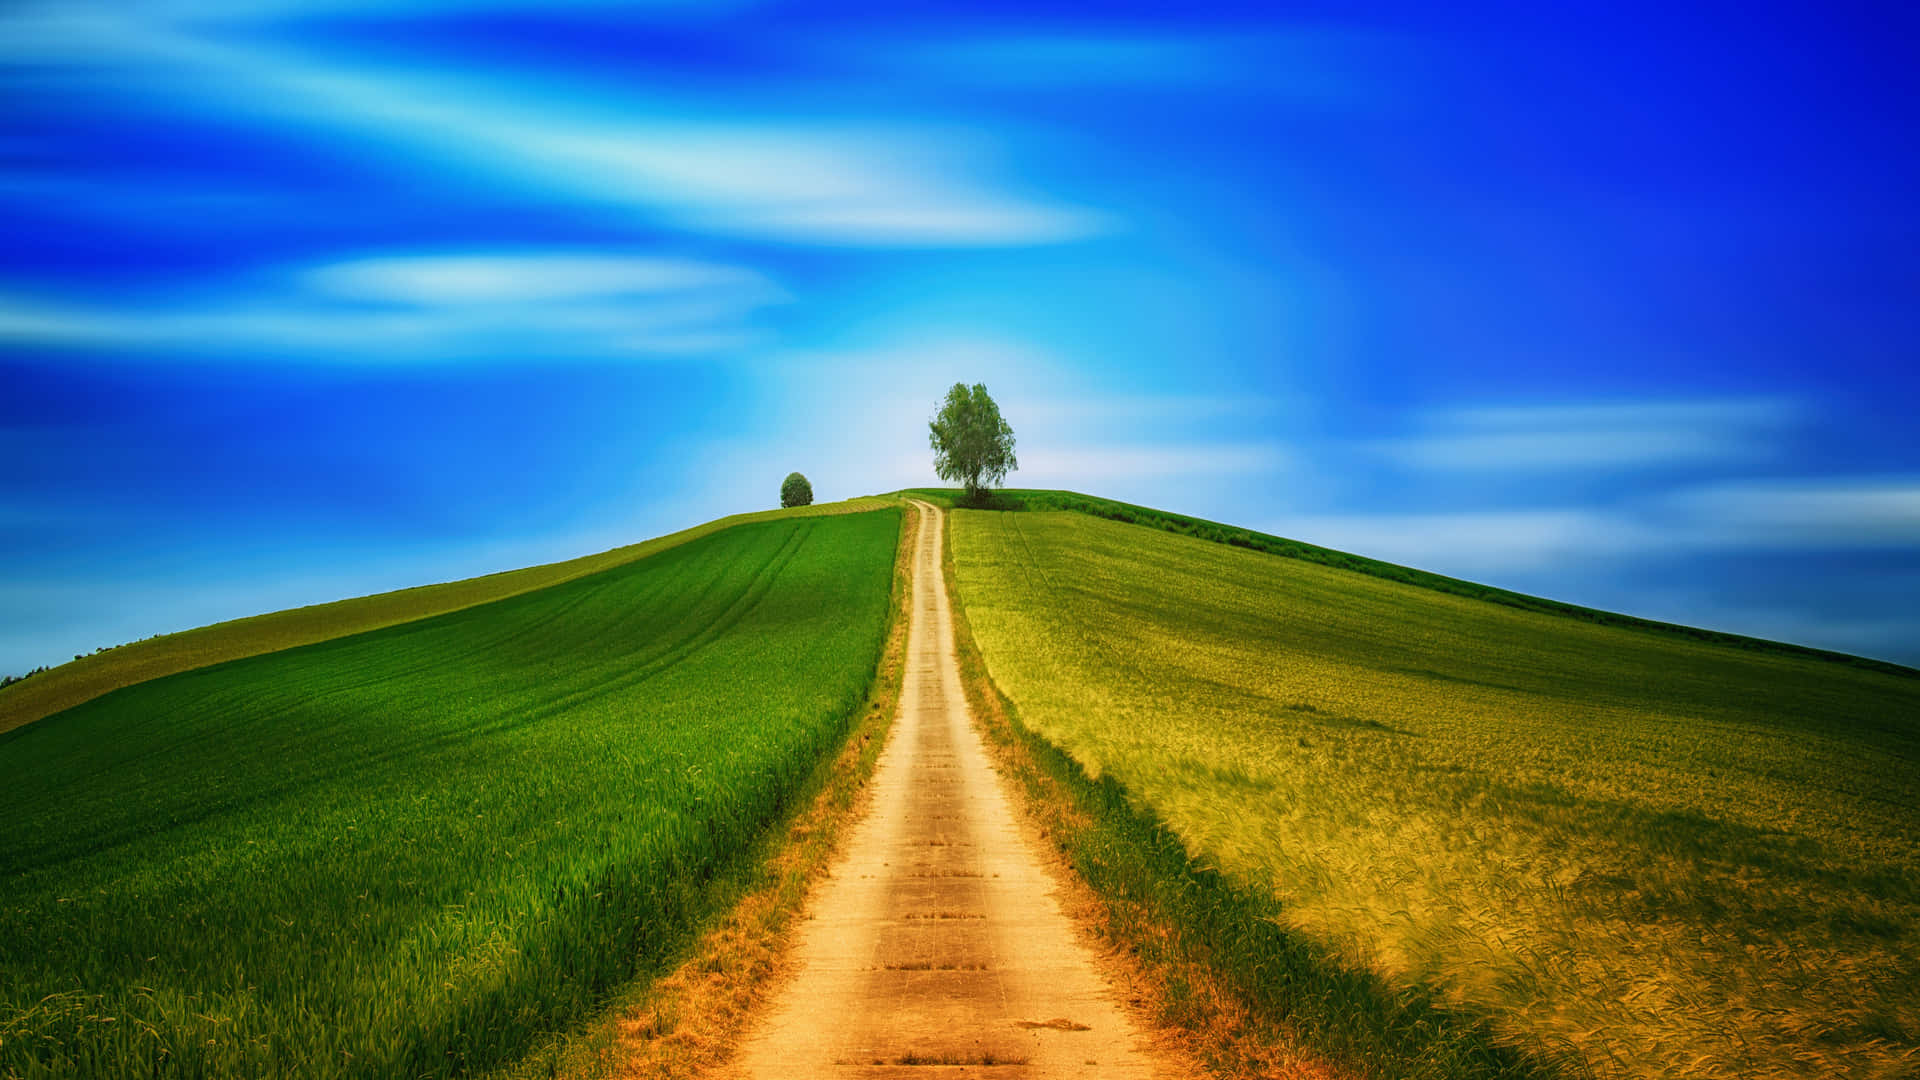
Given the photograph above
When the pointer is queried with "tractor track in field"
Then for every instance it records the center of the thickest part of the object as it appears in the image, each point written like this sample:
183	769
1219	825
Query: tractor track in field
938	940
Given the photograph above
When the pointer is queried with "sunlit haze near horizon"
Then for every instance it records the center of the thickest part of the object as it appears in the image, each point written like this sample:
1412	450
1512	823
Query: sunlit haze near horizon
1615	304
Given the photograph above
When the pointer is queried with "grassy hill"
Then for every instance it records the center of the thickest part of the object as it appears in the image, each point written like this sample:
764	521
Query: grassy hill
410	851
1633	849
90	676
1014	499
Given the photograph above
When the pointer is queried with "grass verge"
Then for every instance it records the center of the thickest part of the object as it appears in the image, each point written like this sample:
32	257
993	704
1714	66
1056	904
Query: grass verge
1215	963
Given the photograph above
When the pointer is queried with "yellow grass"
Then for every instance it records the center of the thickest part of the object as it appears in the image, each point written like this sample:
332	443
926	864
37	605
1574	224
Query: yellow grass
1641	855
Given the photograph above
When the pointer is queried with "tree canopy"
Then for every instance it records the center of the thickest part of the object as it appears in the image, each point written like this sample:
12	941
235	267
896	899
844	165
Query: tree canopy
796	491
972	443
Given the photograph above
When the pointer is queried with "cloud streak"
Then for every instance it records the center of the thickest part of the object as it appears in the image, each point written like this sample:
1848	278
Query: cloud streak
1475	542
1843	512
1091	467
1828	514
838	184
1608	435
441	307
270	10
519	277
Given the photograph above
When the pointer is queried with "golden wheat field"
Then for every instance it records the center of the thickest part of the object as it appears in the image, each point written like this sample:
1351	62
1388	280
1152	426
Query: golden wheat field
1640	855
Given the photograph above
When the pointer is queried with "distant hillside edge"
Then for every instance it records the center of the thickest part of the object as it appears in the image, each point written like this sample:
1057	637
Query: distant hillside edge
87	677
1037	500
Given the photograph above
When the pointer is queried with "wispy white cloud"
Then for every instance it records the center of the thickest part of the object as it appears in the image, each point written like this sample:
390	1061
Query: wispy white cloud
432	307
1474	542
266	10
1604	435
352	336
1088	410
872	215
522	277
1627	415
1565	449
1836	513
1090	467
1842	512
833	185
764	176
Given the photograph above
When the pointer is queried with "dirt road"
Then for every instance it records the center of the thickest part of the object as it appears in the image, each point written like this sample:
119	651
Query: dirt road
937	939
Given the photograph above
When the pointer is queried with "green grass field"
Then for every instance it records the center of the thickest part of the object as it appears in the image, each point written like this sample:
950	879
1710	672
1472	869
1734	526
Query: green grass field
413	851
1639	854
87	677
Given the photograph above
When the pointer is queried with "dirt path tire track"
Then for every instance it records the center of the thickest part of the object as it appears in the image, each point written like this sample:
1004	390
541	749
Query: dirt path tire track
937	939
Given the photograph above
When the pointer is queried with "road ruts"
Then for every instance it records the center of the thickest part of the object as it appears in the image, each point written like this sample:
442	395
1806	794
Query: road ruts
937	939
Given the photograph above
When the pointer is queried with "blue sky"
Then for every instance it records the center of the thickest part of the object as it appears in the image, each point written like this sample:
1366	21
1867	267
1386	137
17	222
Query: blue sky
1617	304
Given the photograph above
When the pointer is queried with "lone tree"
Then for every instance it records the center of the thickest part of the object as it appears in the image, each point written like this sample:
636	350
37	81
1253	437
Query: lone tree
971	442
795	491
